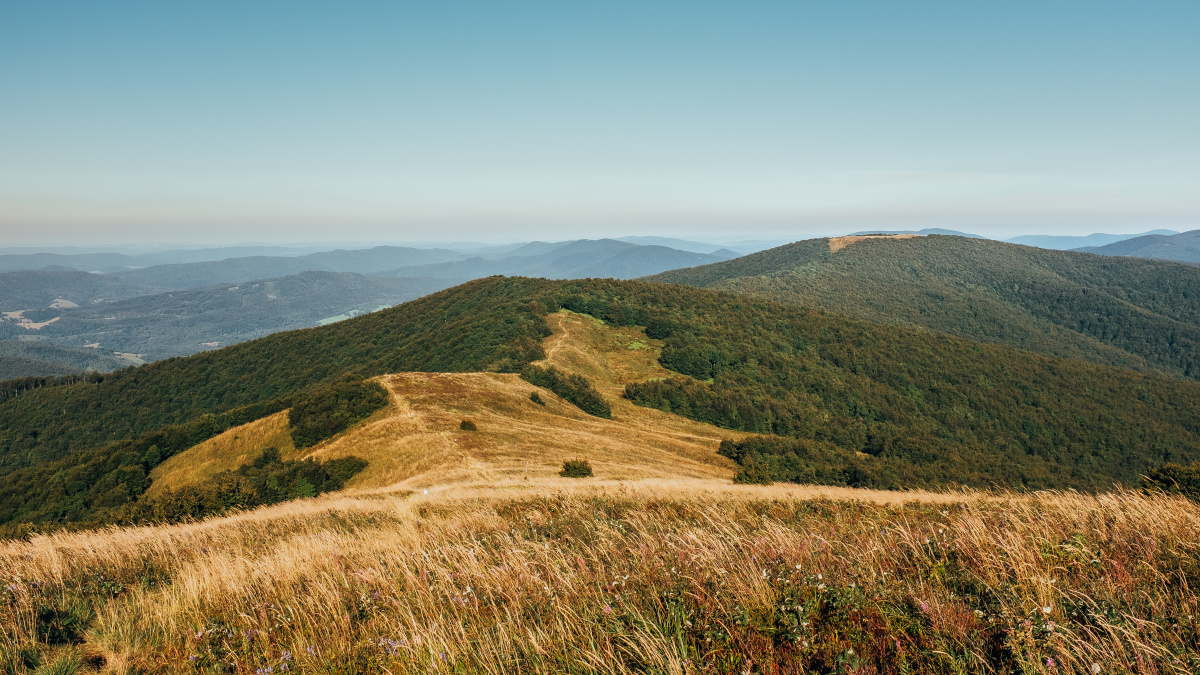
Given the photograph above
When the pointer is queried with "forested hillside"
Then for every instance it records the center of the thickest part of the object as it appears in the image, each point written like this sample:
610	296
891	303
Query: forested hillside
935	409
1120	311
180	323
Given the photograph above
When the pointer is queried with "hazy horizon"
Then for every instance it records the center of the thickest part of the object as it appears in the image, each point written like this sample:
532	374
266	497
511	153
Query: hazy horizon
224	122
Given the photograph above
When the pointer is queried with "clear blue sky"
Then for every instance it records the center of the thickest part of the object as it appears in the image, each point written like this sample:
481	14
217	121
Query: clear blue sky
233	121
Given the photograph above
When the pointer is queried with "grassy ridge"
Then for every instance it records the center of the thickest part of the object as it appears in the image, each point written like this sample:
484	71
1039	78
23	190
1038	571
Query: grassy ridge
620	580
935	409
1117	311
483	325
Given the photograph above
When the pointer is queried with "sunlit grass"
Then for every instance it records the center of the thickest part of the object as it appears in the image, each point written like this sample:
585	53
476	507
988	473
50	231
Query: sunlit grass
693	576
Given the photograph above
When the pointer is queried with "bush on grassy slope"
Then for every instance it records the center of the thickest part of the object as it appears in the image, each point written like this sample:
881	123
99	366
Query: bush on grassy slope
330	411
575	389
267	479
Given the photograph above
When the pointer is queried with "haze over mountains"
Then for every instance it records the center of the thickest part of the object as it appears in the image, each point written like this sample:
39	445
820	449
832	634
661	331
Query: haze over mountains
148	306
1182	247
132	314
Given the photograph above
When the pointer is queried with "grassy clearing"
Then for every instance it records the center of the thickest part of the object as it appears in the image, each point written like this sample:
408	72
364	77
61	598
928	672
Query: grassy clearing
660	576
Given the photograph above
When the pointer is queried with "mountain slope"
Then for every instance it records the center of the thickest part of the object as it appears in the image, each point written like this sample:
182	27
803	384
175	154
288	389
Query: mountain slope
1126	312
417	441
29	358
930	409
185	322
249	268
1183	247
40	289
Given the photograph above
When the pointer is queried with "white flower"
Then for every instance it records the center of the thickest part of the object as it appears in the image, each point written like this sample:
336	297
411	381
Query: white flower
1047	609
1095	667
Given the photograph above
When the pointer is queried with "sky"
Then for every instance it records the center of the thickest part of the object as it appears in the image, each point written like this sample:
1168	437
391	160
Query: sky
220	122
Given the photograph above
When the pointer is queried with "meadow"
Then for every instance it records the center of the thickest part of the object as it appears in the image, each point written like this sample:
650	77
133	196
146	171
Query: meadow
662	576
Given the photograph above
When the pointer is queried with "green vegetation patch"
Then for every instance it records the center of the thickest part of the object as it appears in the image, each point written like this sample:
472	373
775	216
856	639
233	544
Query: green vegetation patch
330	411
576	468
1175	479
576	389
268	479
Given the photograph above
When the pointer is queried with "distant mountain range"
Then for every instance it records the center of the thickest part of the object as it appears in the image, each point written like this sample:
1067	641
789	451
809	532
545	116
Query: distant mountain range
1183	247
175	309
1122	311
152	327
586	258
1075	243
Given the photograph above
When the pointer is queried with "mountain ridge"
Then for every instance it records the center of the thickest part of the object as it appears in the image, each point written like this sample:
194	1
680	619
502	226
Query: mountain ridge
1120	311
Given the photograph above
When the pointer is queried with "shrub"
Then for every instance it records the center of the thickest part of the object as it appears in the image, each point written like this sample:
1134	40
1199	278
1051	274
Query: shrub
467	425
533	396
754	472
576	468
574	388
1175	479
330	411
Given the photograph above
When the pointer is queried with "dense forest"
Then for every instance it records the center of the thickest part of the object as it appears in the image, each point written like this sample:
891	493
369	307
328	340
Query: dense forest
1137	313
930	409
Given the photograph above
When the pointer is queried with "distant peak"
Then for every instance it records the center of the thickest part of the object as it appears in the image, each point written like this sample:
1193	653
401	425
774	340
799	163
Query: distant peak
838	243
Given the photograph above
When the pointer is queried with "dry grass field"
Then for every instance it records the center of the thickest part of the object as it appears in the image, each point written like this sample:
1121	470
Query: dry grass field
464	552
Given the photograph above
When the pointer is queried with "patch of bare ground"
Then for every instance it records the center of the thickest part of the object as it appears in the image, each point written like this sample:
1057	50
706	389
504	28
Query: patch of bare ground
838	243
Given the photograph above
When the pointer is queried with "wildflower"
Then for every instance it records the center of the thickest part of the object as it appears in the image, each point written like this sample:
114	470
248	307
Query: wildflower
607	609
311	650
1049	662
1095	667
850	651
1047	609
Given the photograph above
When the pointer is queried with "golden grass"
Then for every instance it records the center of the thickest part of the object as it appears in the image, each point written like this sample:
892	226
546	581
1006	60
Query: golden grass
652	576
224	452
838	243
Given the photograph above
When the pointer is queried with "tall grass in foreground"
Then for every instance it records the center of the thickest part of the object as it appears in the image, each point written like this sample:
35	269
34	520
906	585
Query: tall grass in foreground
600	580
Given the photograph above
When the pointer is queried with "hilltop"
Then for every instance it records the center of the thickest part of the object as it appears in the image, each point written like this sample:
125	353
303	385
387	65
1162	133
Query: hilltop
1135	313
854	403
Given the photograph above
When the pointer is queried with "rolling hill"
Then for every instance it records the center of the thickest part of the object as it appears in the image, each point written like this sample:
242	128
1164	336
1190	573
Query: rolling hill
858	403
185	322
1183	247
42	288
1127	312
